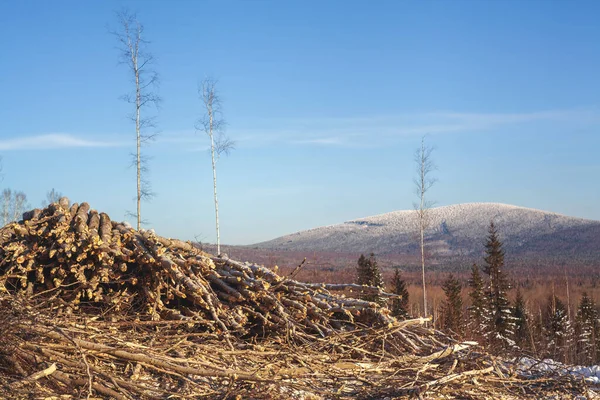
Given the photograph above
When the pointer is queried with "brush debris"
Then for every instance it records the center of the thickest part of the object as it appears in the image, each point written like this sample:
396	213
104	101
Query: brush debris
91	307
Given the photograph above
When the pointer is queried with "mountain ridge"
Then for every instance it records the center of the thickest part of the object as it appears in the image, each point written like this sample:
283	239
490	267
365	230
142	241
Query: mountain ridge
455	230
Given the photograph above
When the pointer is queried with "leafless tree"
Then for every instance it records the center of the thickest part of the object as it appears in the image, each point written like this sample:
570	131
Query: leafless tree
423	182
13	205
19	205
133	53
213	124
52	196
6	206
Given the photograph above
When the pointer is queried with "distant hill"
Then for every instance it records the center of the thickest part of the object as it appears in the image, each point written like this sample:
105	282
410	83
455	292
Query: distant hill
456	231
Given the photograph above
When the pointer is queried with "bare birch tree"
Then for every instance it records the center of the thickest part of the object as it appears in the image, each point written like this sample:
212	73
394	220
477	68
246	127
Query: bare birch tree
423	182
133	53
52	196
6	206
213	125
13	205
19	205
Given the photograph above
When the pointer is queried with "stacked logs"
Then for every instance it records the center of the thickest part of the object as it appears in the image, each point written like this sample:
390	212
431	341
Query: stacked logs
87	262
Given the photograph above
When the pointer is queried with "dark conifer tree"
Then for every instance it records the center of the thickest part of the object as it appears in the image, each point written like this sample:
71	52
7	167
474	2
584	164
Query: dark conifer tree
399	307
557	330
368	273
501	326
587	331
377	278
362	271
521	318
452	307
478	310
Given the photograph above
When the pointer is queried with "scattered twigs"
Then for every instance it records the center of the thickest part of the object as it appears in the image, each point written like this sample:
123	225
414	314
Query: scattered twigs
79	382
83	357
452	377
152	361
352	287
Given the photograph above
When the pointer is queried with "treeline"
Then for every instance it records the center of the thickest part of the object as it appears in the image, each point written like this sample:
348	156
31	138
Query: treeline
552	330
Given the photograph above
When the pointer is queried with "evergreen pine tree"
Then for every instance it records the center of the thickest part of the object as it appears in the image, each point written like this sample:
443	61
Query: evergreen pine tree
362	271
537	328
368	274
452	307
587	331
521	319
558	331
399	306
377	279
500	329
478	309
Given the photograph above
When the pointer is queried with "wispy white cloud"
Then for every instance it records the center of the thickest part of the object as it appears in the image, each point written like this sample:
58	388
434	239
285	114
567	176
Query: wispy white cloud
460	121
326	141
289	190
53	141
565	114
181	137
368	131
348	132
196	149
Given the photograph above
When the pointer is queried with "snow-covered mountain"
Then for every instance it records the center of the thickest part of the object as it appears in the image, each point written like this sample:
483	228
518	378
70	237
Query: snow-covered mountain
457	230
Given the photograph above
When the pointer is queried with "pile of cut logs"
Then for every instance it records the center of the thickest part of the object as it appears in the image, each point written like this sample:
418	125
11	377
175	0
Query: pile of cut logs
78	256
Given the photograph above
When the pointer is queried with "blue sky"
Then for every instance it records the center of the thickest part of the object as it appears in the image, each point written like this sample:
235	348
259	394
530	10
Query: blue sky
327	102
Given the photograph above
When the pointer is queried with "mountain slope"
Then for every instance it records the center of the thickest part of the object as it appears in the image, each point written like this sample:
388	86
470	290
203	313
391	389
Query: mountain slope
456	230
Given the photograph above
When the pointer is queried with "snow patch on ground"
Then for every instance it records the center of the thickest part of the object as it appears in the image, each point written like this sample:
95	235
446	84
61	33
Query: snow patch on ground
531	368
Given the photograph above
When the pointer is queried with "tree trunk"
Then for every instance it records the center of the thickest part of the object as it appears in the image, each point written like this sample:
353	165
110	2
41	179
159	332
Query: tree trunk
423	271
214	168
138	105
